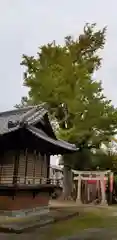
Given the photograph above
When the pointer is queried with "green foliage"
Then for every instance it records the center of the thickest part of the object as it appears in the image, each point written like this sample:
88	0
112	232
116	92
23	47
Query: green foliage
86	159
62	76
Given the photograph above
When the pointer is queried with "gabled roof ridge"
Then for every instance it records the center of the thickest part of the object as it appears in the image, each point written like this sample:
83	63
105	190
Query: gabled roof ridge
14	111
20	110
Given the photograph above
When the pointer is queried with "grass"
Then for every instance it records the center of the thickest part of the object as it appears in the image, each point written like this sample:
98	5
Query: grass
72	226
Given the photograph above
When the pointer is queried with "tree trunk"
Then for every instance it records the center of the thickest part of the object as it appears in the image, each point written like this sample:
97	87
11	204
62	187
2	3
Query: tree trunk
67	183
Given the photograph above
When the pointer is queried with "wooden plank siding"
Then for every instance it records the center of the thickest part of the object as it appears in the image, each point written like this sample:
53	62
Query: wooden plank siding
7	167
32	168
38	168
21	168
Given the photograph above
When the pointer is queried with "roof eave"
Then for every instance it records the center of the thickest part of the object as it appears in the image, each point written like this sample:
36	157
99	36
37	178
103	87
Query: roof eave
62	145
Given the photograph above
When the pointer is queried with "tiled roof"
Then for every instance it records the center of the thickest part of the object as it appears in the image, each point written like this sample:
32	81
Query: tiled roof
28	114
58	143
28	117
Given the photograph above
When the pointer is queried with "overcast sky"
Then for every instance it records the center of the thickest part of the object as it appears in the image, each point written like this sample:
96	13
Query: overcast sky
26	24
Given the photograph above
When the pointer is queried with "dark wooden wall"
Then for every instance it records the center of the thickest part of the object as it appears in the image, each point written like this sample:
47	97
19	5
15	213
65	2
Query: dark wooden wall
23	167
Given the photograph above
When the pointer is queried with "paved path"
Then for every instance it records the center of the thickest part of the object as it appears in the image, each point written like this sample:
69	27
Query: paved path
92	234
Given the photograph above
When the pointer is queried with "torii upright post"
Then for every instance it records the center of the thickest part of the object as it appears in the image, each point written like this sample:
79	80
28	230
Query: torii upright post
78	199
103	193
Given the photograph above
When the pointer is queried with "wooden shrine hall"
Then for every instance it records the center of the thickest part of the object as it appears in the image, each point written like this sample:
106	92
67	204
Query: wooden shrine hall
27	141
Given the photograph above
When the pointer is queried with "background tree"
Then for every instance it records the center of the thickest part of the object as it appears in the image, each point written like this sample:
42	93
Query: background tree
62	76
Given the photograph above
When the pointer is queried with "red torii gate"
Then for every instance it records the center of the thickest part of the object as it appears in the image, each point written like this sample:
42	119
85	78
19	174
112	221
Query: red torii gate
97	178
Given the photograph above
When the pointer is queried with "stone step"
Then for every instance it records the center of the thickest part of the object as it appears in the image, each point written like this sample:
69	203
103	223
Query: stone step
38	221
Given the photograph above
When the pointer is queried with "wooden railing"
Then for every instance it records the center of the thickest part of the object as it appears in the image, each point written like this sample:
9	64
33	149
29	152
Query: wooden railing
30	181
